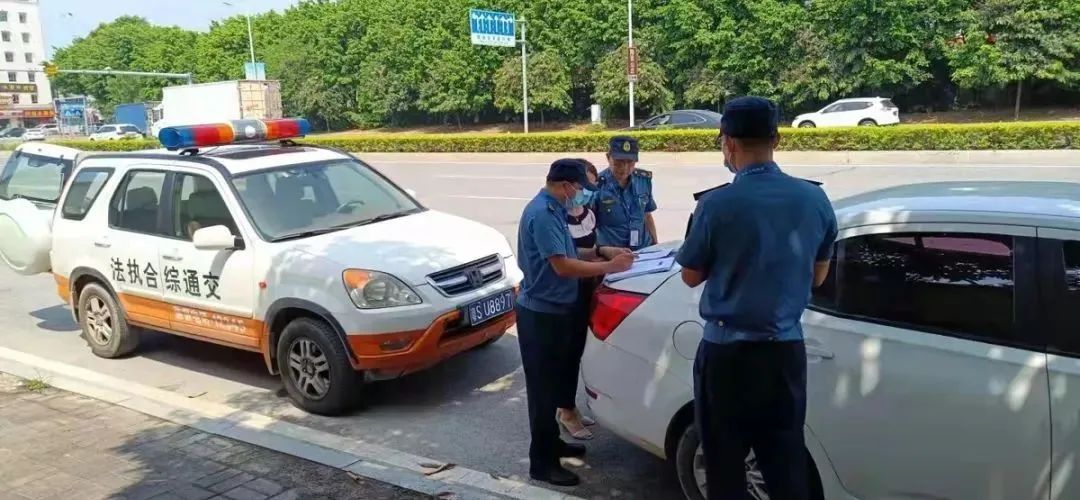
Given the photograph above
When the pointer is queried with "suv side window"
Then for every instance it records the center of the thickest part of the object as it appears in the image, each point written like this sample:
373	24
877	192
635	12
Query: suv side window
953	283
136	206
84	190
198	205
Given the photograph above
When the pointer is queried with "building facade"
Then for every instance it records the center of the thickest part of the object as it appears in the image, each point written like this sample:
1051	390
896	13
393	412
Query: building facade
25	93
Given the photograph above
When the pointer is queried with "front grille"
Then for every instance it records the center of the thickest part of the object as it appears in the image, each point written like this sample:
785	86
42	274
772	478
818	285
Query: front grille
468	277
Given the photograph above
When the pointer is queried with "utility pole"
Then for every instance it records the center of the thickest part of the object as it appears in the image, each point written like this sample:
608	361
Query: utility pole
251	38
629	53
524	75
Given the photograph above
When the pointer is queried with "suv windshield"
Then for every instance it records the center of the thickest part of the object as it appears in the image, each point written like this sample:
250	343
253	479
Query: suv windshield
297	201
34	177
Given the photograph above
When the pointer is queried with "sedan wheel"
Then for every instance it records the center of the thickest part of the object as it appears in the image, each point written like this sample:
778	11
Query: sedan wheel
755	482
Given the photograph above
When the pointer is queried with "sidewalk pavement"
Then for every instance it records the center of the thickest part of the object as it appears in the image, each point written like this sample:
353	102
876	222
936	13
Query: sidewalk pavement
58	445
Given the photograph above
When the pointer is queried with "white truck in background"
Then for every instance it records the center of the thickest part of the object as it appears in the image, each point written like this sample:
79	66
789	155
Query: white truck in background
218	102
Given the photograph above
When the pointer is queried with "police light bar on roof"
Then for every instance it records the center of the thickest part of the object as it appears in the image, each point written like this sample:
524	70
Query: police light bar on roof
232	132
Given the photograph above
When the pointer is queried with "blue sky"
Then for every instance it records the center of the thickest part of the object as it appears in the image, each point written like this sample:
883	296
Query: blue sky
65	20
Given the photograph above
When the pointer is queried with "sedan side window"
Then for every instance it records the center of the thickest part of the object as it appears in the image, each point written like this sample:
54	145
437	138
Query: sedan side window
834	108
685	119
1066	309
951	283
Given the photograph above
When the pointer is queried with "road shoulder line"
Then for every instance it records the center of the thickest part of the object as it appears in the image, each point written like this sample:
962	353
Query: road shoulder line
363	459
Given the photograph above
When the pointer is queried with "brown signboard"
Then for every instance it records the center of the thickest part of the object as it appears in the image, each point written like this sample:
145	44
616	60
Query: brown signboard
632	64
20	88
38	113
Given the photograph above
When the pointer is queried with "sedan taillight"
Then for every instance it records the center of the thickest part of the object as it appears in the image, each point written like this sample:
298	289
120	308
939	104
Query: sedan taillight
610	307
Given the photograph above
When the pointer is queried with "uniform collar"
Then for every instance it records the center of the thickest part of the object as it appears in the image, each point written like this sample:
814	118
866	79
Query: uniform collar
769	167
553	203
608	177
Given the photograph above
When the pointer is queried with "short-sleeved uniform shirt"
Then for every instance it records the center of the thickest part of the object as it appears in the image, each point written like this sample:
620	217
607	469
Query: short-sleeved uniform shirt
620	212
757	240
542	234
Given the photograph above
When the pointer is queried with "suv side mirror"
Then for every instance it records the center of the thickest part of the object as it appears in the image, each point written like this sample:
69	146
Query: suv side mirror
214	238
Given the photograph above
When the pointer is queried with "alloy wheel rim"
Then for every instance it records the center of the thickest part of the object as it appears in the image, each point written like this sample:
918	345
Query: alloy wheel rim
309	369
755	481
99	321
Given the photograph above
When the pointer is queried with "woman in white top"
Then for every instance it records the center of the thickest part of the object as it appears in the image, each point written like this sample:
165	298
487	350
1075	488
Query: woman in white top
582	224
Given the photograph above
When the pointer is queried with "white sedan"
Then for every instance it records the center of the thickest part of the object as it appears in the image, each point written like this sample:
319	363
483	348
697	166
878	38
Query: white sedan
116	132
943	354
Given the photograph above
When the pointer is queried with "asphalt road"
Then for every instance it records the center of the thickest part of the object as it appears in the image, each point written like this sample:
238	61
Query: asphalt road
471	409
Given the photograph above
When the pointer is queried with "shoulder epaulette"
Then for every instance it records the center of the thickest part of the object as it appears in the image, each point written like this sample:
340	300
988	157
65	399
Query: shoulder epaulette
643	173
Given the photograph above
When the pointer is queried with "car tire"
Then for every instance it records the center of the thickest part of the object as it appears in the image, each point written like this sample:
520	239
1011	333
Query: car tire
807	124
104	327
315	368
867	122
687	453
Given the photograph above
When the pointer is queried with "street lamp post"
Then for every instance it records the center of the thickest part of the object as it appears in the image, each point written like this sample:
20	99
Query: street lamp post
251	37
629	52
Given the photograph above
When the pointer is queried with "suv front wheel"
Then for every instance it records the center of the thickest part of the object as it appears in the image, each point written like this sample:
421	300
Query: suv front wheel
315	368
690	469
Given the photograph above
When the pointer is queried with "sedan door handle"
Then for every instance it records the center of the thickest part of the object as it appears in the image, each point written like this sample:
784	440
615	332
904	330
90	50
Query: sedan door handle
818	352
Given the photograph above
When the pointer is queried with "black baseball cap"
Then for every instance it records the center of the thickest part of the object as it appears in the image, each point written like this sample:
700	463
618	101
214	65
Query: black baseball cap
623	147
750	117
570	170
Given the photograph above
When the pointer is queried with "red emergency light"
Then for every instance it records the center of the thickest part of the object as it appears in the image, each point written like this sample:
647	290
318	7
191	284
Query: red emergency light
232	132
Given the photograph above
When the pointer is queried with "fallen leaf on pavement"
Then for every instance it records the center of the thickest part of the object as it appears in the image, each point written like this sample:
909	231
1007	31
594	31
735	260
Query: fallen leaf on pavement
435	469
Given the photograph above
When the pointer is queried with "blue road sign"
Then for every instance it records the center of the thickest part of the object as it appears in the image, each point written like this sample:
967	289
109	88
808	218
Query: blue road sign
492	28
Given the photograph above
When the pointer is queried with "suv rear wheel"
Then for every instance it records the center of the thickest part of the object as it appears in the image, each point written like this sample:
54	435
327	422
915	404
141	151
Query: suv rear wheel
690	469
103	325
315	368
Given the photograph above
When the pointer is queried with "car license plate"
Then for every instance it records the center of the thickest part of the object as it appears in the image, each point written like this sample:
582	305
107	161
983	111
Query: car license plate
489	307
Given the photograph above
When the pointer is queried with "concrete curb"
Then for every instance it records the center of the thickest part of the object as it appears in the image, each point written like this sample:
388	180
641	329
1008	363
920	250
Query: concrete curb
368	460
660	160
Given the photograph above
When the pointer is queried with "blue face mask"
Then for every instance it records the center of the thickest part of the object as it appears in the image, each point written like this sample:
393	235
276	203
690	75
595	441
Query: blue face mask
582	198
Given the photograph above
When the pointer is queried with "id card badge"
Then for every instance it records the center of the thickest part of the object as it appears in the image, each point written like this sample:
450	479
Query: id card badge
635	238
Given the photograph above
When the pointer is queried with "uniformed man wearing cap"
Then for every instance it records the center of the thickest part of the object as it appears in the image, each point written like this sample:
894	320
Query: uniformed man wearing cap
759	244
545	310
624	203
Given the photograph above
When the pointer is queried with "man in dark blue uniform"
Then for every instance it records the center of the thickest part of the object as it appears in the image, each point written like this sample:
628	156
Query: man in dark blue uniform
759	244
545	310
624	203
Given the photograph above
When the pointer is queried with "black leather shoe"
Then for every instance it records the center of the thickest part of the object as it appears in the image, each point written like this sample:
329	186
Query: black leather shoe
558	476
571	450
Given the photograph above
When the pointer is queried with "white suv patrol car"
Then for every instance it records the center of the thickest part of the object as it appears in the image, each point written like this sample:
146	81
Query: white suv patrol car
303	254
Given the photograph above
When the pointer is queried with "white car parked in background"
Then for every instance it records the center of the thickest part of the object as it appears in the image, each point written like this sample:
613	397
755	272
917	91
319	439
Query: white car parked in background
862	112
116	132
943	359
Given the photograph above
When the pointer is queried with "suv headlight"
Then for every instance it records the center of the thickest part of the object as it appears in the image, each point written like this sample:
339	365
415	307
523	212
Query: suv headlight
375	290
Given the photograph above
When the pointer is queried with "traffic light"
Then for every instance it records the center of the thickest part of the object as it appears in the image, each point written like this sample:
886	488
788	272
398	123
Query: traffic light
51	70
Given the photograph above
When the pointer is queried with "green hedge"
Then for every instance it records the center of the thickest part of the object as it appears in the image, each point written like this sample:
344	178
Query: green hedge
1032	135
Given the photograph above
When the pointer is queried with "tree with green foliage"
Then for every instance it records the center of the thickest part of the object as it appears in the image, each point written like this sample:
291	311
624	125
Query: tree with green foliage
128	43
549	84
1004	42
610	83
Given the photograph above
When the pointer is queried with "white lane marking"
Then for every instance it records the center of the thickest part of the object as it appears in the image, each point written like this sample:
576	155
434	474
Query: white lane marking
467	197
491	177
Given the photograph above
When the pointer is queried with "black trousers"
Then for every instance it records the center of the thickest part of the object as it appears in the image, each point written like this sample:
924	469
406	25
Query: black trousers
752	395
579	331
544	339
